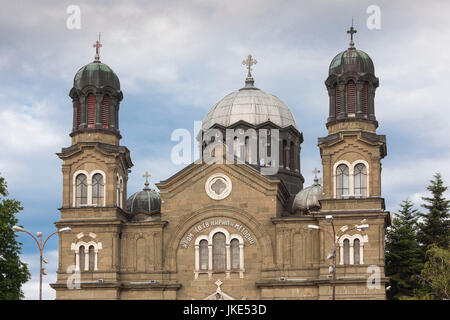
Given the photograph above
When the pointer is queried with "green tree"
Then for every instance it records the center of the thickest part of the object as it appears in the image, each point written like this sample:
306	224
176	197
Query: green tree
403	253
435	276
435	225
13	272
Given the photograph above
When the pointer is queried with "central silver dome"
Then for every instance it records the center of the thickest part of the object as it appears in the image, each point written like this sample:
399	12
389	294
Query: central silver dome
252	105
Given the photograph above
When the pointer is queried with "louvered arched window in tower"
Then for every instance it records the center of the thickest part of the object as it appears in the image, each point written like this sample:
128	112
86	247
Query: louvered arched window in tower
337	100
91	111
105	112
351	98
292	156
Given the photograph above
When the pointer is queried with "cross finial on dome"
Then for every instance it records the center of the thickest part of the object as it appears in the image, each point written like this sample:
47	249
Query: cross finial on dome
97	46
249	62
352	31
146	175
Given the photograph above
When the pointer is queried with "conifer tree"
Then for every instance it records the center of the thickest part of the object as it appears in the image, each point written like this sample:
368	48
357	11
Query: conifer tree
435	225
13	272
403	253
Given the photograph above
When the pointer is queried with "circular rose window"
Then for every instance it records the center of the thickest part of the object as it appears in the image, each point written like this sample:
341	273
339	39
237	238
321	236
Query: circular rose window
218	186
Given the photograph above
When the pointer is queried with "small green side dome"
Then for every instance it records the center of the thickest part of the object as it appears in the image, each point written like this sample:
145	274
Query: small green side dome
145	201
351	60
96	74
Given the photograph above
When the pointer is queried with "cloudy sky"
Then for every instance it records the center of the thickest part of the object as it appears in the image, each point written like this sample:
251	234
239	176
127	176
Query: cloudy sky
176	59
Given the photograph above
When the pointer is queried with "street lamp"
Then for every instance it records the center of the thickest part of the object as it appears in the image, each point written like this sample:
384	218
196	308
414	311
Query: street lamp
343	230
41	246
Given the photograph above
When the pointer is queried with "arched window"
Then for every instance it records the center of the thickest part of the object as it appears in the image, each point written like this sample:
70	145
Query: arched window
91	111
292	156
247	150
356	250
337	100
204	257
98	186
219	255
235	254
117	192
91	258
105	112
236	149
285	154
346	251
80	190
365	99
342	182
360	176
82	258
351	97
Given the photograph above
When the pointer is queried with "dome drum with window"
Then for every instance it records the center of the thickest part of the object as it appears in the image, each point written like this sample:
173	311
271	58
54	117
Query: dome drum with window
258	129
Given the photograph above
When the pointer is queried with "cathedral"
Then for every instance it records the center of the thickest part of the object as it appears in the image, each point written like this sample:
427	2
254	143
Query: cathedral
238	223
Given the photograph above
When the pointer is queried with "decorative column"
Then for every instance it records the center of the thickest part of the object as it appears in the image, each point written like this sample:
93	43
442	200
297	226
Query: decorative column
332	112
197	261
86	258
241	260
116	115
371	102
228	259
359	95
112	112
352	260
83	102
210	260
75	113
341	253
342	103
361	252
98	110
95	259
77	260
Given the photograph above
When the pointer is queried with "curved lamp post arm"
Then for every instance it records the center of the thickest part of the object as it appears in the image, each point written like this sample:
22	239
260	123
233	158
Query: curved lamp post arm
37	242
49	238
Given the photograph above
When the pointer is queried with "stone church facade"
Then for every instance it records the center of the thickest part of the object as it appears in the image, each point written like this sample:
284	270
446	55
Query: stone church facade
239	224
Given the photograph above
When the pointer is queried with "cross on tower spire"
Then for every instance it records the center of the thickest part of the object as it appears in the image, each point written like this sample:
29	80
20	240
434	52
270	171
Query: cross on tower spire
97	46
352	31
249	62
146	175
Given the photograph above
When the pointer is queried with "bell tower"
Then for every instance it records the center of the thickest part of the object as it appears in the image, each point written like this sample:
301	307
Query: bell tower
95	172
351	159
352	151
